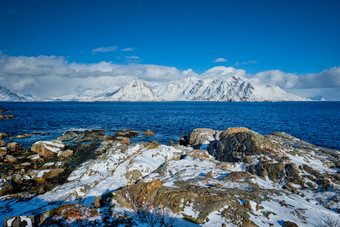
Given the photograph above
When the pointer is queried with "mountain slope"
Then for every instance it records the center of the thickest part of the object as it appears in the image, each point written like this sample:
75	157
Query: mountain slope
134	91
9	95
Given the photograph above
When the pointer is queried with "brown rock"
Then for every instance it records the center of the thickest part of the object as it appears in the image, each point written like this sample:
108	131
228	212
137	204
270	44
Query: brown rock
3	150
130	133
149	133
238	176
153	185
3	135
19	221
235	143
24	136
10	158
47	148
201	135
124	140
290	224
25	164
2	143
42	175
247	204
65	154
97	202
14	147
17	178
11	138
5	187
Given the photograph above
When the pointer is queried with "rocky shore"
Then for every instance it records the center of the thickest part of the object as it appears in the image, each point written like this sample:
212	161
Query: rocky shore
235	177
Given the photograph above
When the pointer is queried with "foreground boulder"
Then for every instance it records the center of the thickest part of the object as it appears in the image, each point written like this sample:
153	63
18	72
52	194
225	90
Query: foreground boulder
201	136
3	135
14	147
236	143
19	221
2	143
47	148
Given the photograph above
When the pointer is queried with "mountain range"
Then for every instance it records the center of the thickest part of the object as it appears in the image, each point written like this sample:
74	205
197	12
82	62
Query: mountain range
234	88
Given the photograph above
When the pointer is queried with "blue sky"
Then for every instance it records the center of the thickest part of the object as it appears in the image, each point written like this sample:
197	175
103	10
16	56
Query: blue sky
298	36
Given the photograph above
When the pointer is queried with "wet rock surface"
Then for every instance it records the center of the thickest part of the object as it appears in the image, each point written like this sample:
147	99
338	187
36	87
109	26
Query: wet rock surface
149	133
130	133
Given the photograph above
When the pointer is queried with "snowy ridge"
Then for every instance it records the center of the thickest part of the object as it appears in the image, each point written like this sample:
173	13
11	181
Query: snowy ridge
235	89
231	89
9	95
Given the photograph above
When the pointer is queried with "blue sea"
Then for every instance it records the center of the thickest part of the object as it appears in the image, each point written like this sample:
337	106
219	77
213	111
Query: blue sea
314	122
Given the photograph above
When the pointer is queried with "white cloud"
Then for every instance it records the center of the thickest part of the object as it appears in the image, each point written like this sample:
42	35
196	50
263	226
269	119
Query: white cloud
329	78
52	76
246	62
221	72
132	57
129	49
104	49
220	60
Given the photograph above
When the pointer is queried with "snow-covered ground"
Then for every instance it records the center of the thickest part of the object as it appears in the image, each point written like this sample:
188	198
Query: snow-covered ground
191	173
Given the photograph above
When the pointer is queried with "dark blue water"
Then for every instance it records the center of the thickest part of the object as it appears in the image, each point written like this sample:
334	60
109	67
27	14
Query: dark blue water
314	122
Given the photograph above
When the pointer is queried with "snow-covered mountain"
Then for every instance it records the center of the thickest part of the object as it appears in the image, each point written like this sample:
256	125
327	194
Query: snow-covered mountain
235	88
216	84
134	91
9	95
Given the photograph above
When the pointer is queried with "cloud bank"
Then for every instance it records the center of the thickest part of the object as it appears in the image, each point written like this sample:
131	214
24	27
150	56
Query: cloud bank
329	78
53	76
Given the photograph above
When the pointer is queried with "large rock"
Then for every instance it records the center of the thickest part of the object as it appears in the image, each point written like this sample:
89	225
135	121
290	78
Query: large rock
90	135
81	136
121	139
236	143
65	154
149	133
14	147
130	133
47	148
203	199
10	158
19	221
3	135
46	174
24	136
200	136
2	143
5	187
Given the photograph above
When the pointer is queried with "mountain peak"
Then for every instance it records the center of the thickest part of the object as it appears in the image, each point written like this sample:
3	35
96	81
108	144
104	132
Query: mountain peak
135	90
